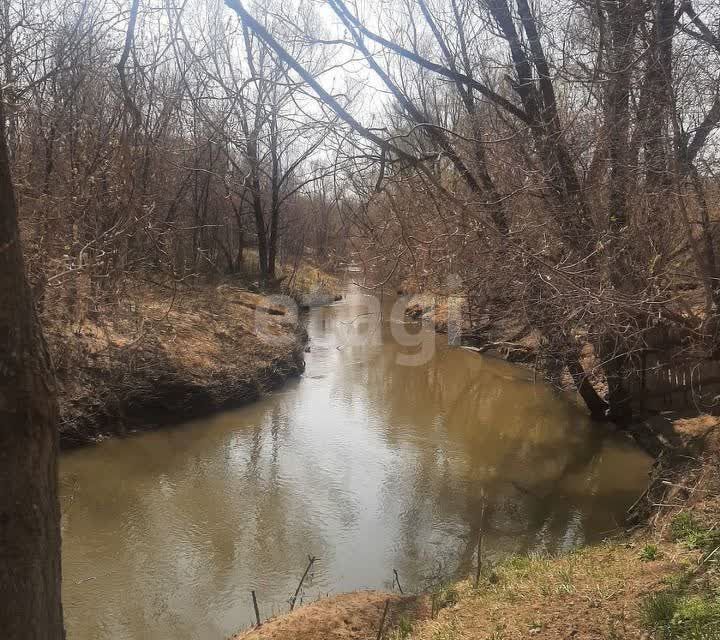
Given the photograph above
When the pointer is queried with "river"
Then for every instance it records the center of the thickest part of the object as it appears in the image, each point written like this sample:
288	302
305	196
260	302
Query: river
379	457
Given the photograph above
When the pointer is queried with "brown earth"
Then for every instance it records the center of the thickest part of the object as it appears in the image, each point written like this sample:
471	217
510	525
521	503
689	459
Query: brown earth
167	353
345	617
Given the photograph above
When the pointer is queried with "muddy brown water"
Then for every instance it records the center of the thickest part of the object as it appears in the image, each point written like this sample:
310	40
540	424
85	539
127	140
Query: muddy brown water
378	458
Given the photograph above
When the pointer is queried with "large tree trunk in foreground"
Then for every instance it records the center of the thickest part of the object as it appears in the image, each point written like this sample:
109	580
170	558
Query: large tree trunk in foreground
30	606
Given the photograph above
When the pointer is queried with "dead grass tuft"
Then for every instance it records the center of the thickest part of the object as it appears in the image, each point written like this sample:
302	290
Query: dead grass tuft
351	616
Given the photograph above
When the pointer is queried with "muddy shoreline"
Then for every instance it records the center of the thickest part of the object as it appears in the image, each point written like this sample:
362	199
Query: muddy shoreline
159	358
172	400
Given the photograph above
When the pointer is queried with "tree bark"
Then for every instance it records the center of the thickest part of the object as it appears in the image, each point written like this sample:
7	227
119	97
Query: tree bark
274	194
597	406
621	18
658	81
29	508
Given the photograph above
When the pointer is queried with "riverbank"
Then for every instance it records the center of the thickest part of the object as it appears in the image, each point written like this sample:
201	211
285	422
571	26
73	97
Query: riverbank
659	580
165	352
505	337
349	615
510	339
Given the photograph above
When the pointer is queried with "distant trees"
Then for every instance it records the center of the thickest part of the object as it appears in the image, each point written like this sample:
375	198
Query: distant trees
249	105
151	136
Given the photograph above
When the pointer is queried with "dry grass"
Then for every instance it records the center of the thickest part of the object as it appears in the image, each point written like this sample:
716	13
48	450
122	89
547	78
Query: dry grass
435	309
311	284
592	593
302	280
351	616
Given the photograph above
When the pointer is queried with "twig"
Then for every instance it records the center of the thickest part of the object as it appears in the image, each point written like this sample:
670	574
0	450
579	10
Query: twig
710	555
682	486
382	620
397	579
639	500
480	542
311	561
257	611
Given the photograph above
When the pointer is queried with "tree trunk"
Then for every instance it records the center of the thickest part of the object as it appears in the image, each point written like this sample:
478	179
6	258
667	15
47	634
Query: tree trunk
260	230
29	508
621	18
597	406
275	195
659	86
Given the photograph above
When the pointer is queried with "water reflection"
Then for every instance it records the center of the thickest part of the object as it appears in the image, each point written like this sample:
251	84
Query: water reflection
365	463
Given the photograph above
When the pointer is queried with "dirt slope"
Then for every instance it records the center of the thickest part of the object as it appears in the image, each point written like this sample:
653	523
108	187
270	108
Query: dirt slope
167	353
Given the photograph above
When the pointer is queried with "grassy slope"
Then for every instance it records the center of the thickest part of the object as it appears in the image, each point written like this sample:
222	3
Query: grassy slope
595	592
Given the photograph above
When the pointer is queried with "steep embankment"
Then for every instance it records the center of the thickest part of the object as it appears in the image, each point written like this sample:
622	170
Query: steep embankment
167	352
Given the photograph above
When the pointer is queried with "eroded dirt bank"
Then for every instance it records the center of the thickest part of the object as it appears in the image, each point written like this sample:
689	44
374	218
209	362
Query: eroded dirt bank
166	353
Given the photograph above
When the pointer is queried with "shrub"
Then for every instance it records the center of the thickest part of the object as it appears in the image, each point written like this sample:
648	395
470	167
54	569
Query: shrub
650	552
659	609
677	616
685	529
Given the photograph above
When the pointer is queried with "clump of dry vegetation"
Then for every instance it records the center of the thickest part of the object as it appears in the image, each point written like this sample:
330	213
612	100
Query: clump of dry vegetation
344	617
590	593
311	285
